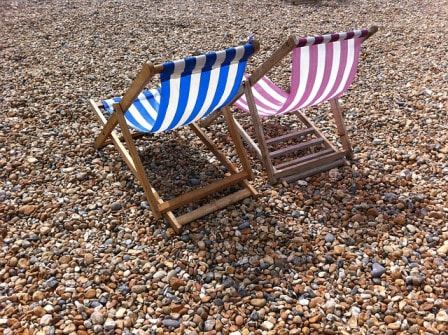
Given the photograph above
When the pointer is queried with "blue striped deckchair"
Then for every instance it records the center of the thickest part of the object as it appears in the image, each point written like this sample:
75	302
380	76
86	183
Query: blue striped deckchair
191	89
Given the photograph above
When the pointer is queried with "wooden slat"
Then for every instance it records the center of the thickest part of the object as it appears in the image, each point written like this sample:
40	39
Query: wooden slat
214	206
249	140
202	192
286	137
248	186
310	172
340	124
134	164
134	136
172	220
115	139
139	168
303	159
296	147
108	127
242	155
310	164
221	157
372	30
318	133
259	132
274	59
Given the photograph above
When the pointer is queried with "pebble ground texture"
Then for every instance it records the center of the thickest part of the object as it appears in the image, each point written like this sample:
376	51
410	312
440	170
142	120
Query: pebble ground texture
361	249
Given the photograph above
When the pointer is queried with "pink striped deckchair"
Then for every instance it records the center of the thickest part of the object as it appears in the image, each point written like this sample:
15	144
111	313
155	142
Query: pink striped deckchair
323	67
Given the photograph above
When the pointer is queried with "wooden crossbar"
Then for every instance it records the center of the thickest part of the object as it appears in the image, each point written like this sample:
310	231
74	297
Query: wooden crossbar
296	147
214	206
202	192
303	159
286	137
308	165
321	168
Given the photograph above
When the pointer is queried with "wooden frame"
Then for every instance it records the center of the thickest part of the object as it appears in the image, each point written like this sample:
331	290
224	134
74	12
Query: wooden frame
314	161
129	153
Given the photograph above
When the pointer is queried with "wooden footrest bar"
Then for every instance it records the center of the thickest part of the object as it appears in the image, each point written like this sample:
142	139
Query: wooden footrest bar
311	166
297	147
303	159
313	171
202	192
300	133
214	206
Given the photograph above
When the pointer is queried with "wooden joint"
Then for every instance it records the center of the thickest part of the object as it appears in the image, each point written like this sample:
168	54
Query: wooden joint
256	45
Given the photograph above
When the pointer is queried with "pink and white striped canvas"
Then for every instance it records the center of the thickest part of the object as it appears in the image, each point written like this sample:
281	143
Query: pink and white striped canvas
323	67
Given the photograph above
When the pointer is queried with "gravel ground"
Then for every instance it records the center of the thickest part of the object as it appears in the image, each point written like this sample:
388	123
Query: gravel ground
361	249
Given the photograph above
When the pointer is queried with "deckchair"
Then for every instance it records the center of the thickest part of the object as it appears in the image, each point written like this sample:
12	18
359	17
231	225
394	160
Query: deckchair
191	89
323	67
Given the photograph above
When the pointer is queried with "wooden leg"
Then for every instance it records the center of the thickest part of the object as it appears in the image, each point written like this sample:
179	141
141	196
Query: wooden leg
210	119
139	168
106	131
237	141
342	131
259	133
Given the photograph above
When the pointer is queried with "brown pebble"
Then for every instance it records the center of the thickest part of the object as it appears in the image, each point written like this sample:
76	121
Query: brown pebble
258	302
175	283
389	319
27	209
39	311
400	219
88	258
90	294
37	296
316	301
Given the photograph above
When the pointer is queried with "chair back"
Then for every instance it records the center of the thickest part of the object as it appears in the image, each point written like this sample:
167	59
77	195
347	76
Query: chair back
194	87
323	67
191	89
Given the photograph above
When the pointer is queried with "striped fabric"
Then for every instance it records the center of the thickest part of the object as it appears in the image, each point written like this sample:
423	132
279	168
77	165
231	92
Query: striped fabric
323	67
191	89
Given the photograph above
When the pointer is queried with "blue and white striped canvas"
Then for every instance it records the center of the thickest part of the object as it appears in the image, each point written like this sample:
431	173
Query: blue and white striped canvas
191	89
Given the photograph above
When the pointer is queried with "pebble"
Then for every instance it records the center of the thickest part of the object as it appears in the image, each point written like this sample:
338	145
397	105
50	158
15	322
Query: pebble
171	323
120	313
209	325
377	270
70	328
244	225
109	325
258	302
329	238
37	296
89	258
304	302
115	206
267	325
139	288
45	320
97	318
443	250
239	320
